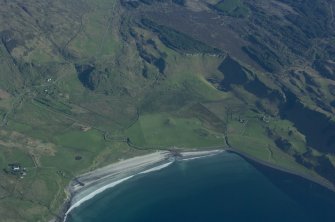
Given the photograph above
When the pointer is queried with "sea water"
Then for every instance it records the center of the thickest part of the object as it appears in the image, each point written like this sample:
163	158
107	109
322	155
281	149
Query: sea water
222	188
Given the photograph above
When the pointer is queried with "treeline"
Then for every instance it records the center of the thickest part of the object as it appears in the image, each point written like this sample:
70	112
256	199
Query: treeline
178	41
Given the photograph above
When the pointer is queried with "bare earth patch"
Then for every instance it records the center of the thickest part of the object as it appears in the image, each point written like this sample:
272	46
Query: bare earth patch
34	147
4	94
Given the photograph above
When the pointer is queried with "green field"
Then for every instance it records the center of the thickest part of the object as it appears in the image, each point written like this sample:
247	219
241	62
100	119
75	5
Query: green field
85	84
234	8
165	131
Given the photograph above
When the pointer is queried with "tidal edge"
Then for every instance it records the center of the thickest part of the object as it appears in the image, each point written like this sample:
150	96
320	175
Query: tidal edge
87	185
167	157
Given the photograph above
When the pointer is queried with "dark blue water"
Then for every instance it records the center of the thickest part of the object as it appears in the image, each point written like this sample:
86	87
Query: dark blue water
223	188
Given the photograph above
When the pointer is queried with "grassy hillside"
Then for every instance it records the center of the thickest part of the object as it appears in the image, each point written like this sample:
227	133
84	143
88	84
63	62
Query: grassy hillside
233	8
86	83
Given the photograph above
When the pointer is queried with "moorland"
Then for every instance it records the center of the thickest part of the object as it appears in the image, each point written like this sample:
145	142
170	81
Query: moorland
87	83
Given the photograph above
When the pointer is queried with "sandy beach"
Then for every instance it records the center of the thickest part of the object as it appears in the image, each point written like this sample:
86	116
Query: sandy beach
191	155
88	185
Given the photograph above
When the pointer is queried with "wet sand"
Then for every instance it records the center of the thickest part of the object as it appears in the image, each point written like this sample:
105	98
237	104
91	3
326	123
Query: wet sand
88	185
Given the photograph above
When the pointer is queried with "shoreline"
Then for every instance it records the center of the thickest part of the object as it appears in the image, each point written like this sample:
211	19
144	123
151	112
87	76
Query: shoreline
318	180
90	184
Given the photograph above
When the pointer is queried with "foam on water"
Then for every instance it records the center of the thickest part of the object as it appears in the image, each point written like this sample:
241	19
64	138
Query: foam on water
111	185
156	168
197	157
230	189
94	193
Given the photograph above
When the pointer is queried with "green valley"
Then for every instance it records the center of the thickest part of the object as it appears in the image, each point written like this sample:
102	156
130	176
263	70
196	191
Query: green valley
87	83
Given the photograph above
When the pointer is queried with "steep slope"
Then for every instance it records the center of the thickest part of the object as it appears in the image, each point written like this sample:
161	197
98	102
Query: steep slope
85	83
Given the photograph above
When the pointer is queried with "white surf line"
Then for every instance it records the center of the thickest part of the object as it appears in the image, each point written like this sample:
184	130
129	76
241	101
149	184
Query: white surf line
94	193
111	185
157	168
200	154
199	157
115	183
